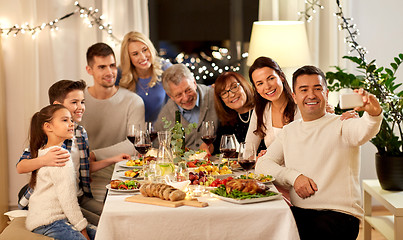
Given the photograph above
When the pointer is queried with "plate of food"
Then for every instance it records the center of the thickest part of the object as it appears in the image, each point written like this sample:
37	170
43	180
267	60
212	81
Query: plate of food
124	186
276	196
243	191
135	174
212	170
132	163
266	179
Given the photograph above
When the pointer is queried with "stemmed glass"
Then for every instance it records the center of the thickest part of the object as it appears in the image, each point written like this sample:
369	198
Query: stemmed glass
132	132
228	145
208	132
247	156
142	142
151	131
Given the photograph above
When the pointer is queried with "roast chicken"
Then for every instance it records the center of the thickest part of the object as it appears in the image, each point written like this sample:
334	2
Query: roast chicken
251	186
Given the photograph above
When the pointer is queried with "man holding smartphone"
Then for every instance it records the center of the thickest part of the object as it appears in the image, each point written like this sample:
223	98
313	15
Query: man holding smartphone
318	158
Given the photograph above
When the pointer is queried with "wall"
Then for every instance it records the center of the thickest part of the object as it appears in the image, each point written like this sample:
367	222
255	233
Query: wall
33	65
381	32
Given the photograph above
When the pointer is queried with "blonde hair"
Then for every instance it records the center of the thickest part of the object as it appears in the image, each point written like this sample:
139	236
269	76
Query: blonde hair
129	75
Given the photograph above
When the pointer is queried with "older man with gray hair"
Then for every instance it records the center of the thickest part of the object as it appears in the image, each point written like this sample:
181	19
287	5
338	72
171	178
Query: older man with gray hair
194	101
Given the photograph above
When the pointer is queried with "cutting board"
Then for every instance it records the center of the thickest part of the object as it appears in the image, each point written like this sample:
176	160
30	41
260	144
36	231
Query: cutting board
166	203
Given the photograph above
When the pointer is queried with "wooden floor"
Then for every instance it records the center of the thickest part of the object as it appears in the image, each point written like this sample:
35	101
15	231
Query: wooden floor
375	235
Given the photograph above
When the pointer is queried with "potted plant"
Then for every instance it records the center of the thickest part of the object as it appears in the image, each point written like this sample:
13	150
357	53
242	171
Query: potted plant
381	82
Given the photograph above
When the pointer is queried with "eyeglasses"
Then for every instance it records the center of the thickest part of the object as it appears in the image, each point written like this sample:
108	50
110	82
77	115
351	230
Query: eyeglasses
234	87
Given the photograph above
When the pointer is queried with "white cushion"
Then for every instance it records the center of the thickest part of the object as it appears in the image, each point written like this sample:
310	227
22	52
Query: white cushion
16	213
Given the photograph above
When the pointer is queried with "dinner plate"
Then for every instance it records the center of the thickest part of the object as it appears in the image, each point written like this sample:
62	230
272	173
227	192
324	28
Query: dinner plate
121	190
123	164
250	200
269	182
122	175
223	176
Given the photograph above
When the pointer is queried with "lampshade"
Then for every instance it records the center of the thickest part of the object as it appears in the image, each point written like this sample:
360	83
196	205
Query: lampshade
283	41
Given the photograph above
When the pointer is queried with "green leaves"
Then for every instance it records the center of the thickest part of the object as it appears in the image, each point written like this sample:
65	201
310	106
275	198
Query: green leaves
381	82
177	133
340	79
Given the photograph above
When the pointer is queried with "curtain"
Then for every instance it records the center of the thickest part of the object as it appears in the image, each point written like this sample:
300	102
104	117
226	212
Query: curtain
31	66
3	149
326	42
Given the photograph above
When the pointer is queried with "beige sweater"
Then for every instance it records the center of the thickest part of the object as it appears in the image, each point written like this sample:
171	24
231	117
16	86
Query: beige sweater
326	150
268	123
55	197
106	123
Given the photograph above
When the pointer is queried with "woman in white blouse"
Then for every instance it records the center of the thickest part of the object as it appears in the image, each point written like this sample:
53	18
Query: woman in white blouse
274	105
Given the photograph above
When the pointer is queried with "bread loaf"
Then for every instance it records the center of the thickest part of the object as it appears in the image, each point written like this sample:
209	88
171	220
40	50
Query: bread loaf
163	191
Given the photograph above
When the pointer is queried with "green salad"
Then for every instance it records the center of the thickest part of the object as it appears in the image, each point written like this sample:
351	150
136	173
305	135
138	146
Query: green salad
236	194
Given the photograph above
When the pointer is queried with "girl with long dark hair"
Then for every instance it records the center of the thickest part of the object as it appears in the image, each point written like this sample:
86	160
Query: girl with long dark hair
53	209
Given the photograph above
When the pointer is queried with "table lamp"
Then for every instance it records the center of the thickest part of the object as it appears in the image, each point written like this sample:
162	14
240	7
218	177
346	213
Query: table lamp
283	41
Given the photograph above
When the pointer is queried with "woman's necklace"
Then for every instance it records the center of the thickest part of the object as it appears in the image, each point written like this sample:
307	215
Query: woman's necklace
146	89
240	117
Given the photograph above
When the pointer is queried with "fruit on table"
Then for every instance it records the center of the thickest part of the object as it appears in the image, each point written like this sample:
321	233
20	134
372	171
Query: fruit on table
225	170
218	182
136	162
198	163
213	170
132	173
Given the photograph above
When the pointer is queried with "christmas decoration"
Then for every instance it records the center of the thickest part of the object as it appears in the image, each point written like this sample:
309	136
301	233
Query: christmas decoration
91	16
206	67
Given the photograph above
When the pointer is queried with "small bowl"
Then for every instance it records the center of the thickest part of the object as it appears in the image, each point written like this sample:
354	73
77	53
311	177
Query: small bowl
179	185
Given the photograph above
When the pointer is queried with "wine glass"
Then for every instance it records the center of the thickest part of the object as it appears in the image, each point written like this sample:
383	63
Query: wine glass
247	156
142	142
228	145
131	132
208	132
151	131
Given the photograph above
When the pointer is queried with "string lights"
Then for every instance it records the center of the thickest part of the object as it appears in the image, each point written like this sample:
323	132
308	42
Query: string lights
373	76
205	67
309	10
380	82
90	16
352	31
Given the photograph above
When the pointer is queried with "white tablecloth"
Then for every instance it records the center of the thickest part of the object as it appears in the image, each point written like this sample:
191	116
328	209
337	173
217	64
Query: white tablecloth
220	220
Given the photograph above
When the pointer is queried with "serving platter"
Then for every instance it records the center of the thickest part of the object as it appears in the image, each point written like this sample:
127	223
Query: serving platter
250	200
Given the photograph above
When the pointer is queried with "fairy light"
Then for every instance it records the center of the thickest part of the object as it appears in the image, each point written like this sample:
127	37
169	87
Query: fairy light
207	68
310	9
90	16
373	79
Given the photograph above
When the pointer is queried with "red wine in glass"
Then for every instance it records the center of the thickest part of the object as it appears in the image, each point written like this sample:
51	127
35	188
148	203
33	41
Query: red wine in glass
153	136
247	164
131	138
228	152
142	148
208	139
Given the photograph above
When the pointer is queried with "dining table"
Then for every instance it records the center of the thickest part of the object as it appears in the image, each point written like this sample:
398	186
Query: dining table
121	219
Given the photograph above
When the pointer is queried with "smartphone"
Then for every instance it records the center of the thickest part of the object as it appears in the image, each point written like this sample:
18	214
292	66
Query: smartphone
350	100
